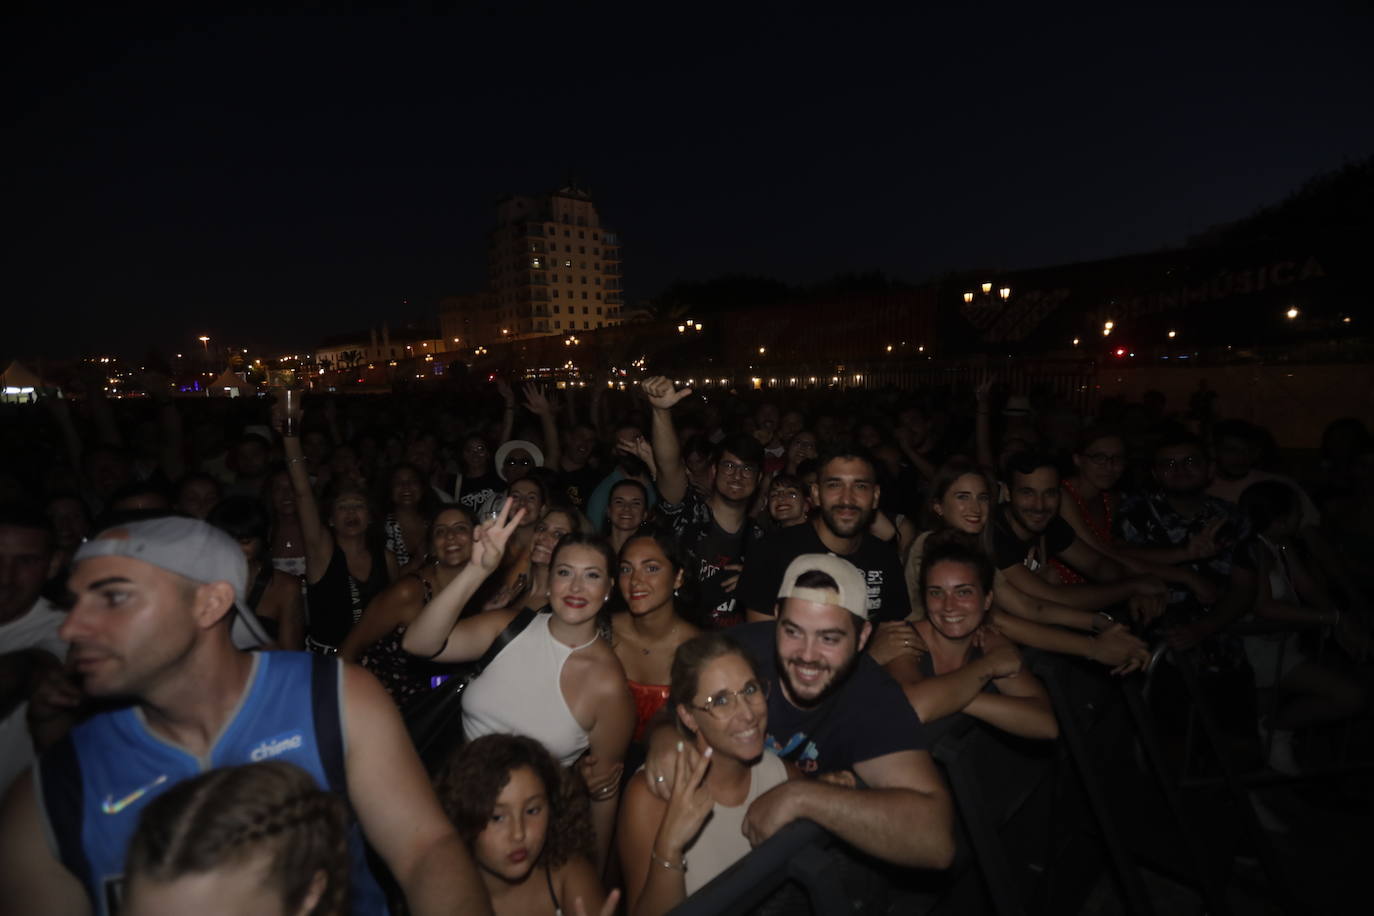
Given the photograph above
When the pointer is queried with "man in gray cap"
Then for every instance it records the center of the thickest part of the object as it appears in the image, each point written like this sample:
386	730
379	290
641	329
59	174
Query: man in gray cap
152	608
835	712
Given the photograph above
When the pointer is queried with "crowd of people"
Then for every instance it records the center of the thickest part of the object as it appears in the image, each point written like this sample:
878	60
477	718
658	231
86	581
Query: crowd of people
696	620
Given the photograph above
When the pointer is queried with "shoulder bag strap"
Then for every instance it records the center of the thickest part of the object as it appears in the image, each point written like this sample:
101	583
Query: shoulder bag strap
503	639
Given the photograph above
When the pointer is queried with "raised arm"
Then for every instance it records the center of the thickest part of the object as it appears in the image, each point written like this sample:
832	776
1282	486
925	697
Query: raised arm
1115	647
319	541
435	632
672	474
398	810
508	415
1167	572
390	609
546	410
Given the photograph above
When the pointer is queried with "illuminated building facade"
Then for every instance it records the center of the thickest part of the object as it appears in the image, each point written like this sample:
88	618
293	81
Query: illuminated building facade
553	268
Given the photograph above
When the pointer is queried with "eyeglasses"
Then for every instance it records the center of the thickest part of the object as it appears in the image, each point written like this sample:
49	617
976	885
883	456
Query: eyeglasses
1173	464
1102	460
723	704
735	469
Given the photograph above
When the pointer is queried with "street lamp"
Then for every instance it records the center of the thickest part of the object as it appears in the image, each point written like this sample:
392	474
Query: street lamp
1292	313
205	342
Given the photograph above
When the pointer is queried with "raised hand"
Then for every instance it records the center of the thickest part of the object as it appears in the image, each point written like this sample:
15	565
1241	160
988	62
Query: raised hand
688	807
983	390
659	390
506	394
537	401
607	909
490	539
893	639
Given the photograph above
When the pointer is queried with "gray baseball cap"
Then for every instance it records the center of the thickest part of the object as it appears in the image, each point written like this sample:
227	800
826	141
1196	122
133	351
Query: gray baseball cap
192	549
852	594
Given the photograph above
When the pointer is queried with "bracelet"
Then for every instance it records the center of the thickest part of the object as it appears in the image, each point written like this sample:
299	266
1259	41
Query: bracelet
1111	621
655	857
297	458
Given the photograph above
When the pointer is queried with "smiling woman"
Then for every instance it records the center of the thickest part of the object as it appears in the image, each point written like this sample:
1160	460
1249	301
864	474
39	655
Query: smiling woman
720	704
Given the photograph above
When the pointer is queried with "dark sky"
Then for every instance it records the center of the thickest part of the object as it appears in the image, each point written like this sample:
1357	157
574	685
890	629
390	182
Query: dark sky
274	180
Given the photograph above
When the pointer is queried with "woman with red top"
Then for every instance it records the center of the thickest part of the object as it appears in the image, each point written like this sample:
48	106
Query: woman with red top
1089	502
647	634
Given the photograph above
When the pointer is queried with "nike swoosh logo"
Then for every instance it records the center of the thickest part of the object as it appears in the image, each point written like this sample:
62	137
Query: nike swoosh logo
110	806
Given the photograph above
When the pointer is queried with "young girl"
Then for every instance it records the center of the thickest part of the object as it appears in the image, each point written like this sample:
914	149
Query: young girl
528	827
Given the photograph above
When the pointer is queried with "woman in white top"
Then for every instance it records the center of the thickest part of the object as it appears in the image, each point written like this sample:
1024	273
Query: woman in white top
721	706
557	681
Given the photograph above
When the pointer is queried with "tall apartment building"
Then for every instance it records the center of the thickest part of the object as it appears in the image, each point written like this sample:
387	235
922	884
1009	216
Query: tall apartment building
552	268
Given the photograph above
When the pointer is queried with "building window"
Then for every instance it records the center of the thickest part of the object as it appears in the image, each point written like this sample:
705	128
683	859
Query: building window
568	262
584	281
555	294
556	309
584	294
596	265
581	234
581	249
567	232
595	237
586	310
553	278
598	299
558	324
598	281
586	324
537	263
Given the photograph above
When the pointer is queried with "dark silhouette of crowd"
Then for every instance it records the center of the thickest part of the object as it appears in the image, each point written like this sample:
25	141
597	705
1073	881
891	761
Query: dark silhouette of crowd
665	626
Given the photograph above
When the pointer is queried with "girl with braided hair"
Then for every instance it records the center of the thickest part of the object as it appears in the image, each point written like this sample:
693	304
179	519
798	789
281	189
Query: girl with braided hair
261	838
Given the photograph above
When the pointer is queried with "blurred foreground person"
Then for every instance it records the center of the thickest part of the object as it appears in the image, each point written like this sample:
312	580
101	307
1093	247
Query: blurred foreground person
261	839
151	610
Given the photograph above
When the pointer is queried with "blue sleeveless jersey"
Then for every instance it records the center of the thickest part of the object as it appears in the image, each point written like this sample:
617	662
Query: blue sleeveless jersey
95	783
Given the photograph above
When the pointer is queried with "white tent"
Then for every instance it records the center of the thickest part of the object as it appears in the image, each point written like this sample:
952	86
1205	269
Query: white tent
18	383
229	385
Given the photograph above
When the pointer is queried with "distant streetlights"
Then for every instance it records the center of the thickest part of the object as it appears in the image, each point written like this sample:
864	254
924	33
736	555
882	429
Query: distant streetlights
1003	292
1292	313
205	342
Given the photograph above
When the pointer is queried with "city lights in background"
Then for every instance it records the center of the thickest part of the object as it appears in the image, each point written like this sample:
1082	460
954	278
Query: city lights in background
1291	313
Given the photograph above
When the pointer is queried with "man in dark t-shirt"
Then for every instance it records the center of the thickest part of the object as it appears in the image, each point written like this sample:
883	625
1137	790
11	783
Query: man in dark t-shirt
831	708
846	496
1028	530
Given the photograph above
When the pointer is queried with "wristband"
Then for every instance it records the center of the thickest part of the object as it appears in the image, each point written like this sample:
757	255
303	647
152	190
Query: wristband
655	857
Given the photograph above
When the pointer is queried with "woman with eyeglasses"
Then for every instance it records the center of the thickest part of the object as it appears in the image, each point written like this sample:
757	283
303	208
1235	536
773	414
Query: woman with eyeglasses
1089	506
670	850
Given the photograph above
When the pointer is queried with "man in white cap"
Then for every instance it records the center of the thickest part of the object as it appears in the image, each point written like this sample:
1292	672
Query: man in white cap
152	604
834	710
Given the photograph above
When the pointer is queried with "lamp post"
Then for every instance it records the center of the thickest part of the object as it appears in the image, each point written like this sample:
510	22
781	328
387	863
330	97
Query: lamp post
1003	292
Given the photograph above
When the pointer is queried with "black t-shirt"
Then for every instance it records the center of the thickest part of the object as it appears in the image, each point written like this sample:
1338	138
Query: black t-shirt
1009	550
709	548
576	486
476	492
877	560
866	718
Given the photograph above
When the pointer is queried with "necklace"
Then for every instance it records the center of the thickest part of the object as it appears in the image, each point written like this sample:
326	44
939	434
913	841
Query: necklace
647	649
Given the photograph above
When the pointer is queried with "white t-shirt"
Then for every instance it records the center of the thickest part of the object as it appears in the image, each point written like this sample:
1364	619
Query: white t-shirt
35	630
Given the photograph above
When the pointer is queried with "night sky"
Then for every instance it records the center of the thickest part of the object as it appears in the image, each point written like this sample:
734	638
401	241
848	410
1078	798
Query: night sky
271	181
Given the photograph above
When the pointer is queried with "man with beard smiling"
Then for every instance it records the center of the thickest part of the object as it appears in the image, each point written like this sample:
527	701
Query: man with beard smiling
833	710
846	495
1028	531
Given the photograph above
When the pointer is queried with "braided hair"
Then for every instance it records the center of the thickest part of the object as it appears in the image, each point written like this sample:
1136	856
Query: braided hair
272	812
